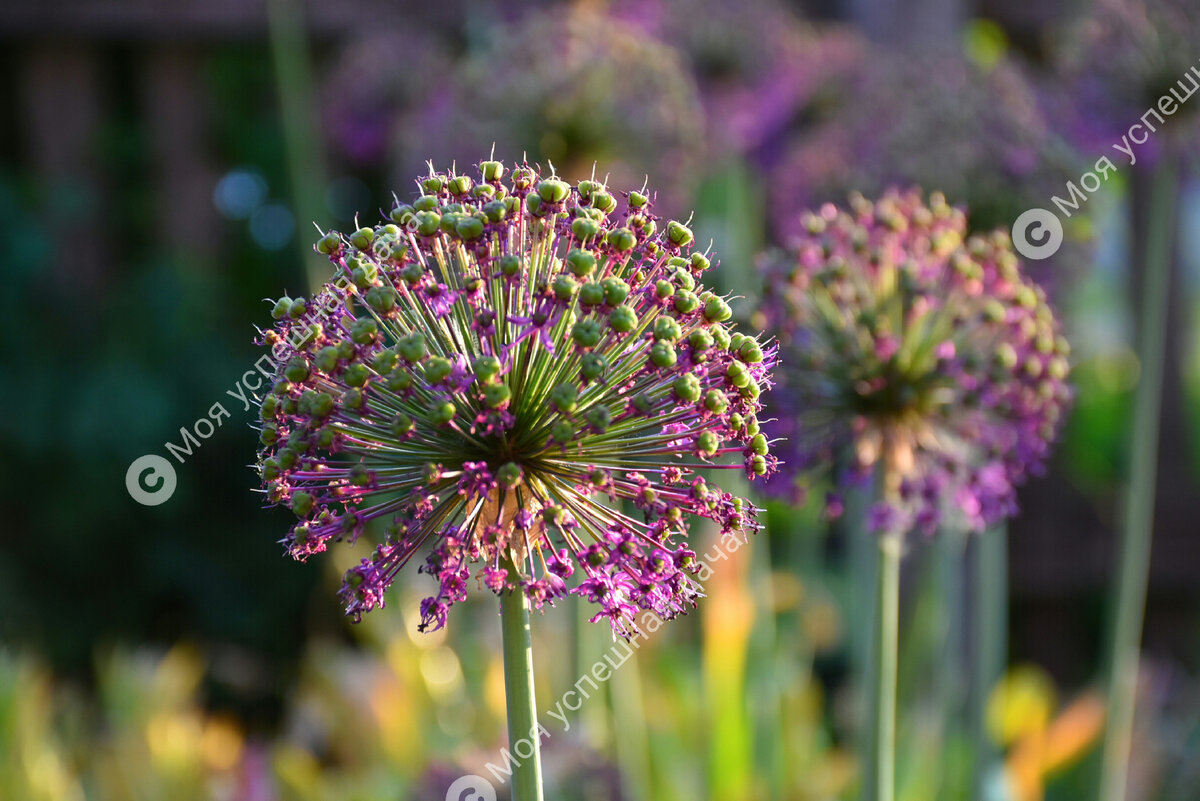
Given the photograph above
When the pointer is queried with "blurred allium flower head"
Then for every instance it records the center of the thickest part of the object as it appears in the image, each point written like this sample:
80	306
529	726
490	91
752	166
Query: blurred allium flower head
574	86
502	366
1117	59
762	69
913	353
371	86
938	119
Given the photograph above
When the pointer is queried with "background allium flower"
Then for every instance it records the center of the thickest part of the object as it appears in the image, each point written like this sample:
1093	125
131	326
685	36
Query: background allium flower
572	86
1116	60
374	81
762	70
935	119
916	353
499	369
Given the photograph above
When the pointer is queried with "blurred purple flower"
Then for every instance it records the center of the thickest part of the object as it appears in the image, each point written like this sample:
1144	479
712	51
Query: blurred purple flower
915	353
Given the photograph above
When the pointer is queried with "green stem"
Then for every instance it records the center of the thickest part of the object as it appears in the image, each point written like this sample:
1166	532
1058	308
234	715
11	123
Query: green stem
883	721
523	735
863	603
1137	521
989	639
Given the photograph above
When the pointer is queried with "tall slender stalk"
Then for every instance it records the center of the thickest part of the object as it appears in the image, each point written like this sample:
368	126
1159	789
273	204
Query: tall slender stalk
1137	520
519	698
989	639
883	720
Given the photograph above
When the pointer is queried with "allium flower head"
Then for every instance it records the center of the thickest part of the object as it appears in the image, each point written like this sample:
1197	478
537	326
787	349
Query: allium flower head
913	353
499	369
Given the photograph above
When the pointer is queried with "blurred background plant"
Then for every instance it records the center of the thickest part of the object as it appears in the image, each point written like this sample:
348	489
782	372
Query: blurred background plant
151	203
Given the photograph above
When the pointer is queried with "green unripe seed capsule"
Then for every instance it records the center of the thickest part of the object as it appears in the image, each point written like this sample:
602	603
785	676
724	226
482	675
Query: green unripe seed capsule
615	290
329	244
585	229
496	210
460	185
581	263
510	265
666	328
750	352
553	190
280	310
402	425
412	347
662	354
758	444
428	222
269	435
679	234
700	262
599	418
486	369
593	366
686	302
438	369
716	401
362	238
443	413
687	388
469	228
296	371
708	443
356	375
564	287
637	200
302	504
717	310
426	202
565	397
591	293
562	432
509	475
496	395
587	333
622	239
622	319
663	290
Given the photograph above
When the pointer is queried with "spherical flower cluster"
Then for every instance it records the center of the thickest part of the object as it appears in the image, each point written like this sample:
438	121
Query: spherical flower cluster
570	85
915	355
1116	60
519	377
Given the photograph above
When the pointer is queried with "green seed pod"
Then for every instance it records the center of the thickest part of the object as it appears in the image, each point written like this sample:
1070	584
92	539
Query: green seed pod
438	369
720	336
510	265
700	340
402	424
623	319
364	331
495	210
329	243
687	388
564	287
587	333
302	503
460	185
352	400
428	222
412	347
700	262
362	238
604	202
403	214
679	234
758	444
615	290
269	435
663	289
385	361
585	229
599	418
591	293
442	413
716	401
509	475
486	369
708	443
622	239
717	310
662	354
581	263
565	397
593	366
496	396
296	370
666	328
280	310
356	375
750	351
381	298
553	190
637	200
469	228
562	432
297	309
426	203
686	302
